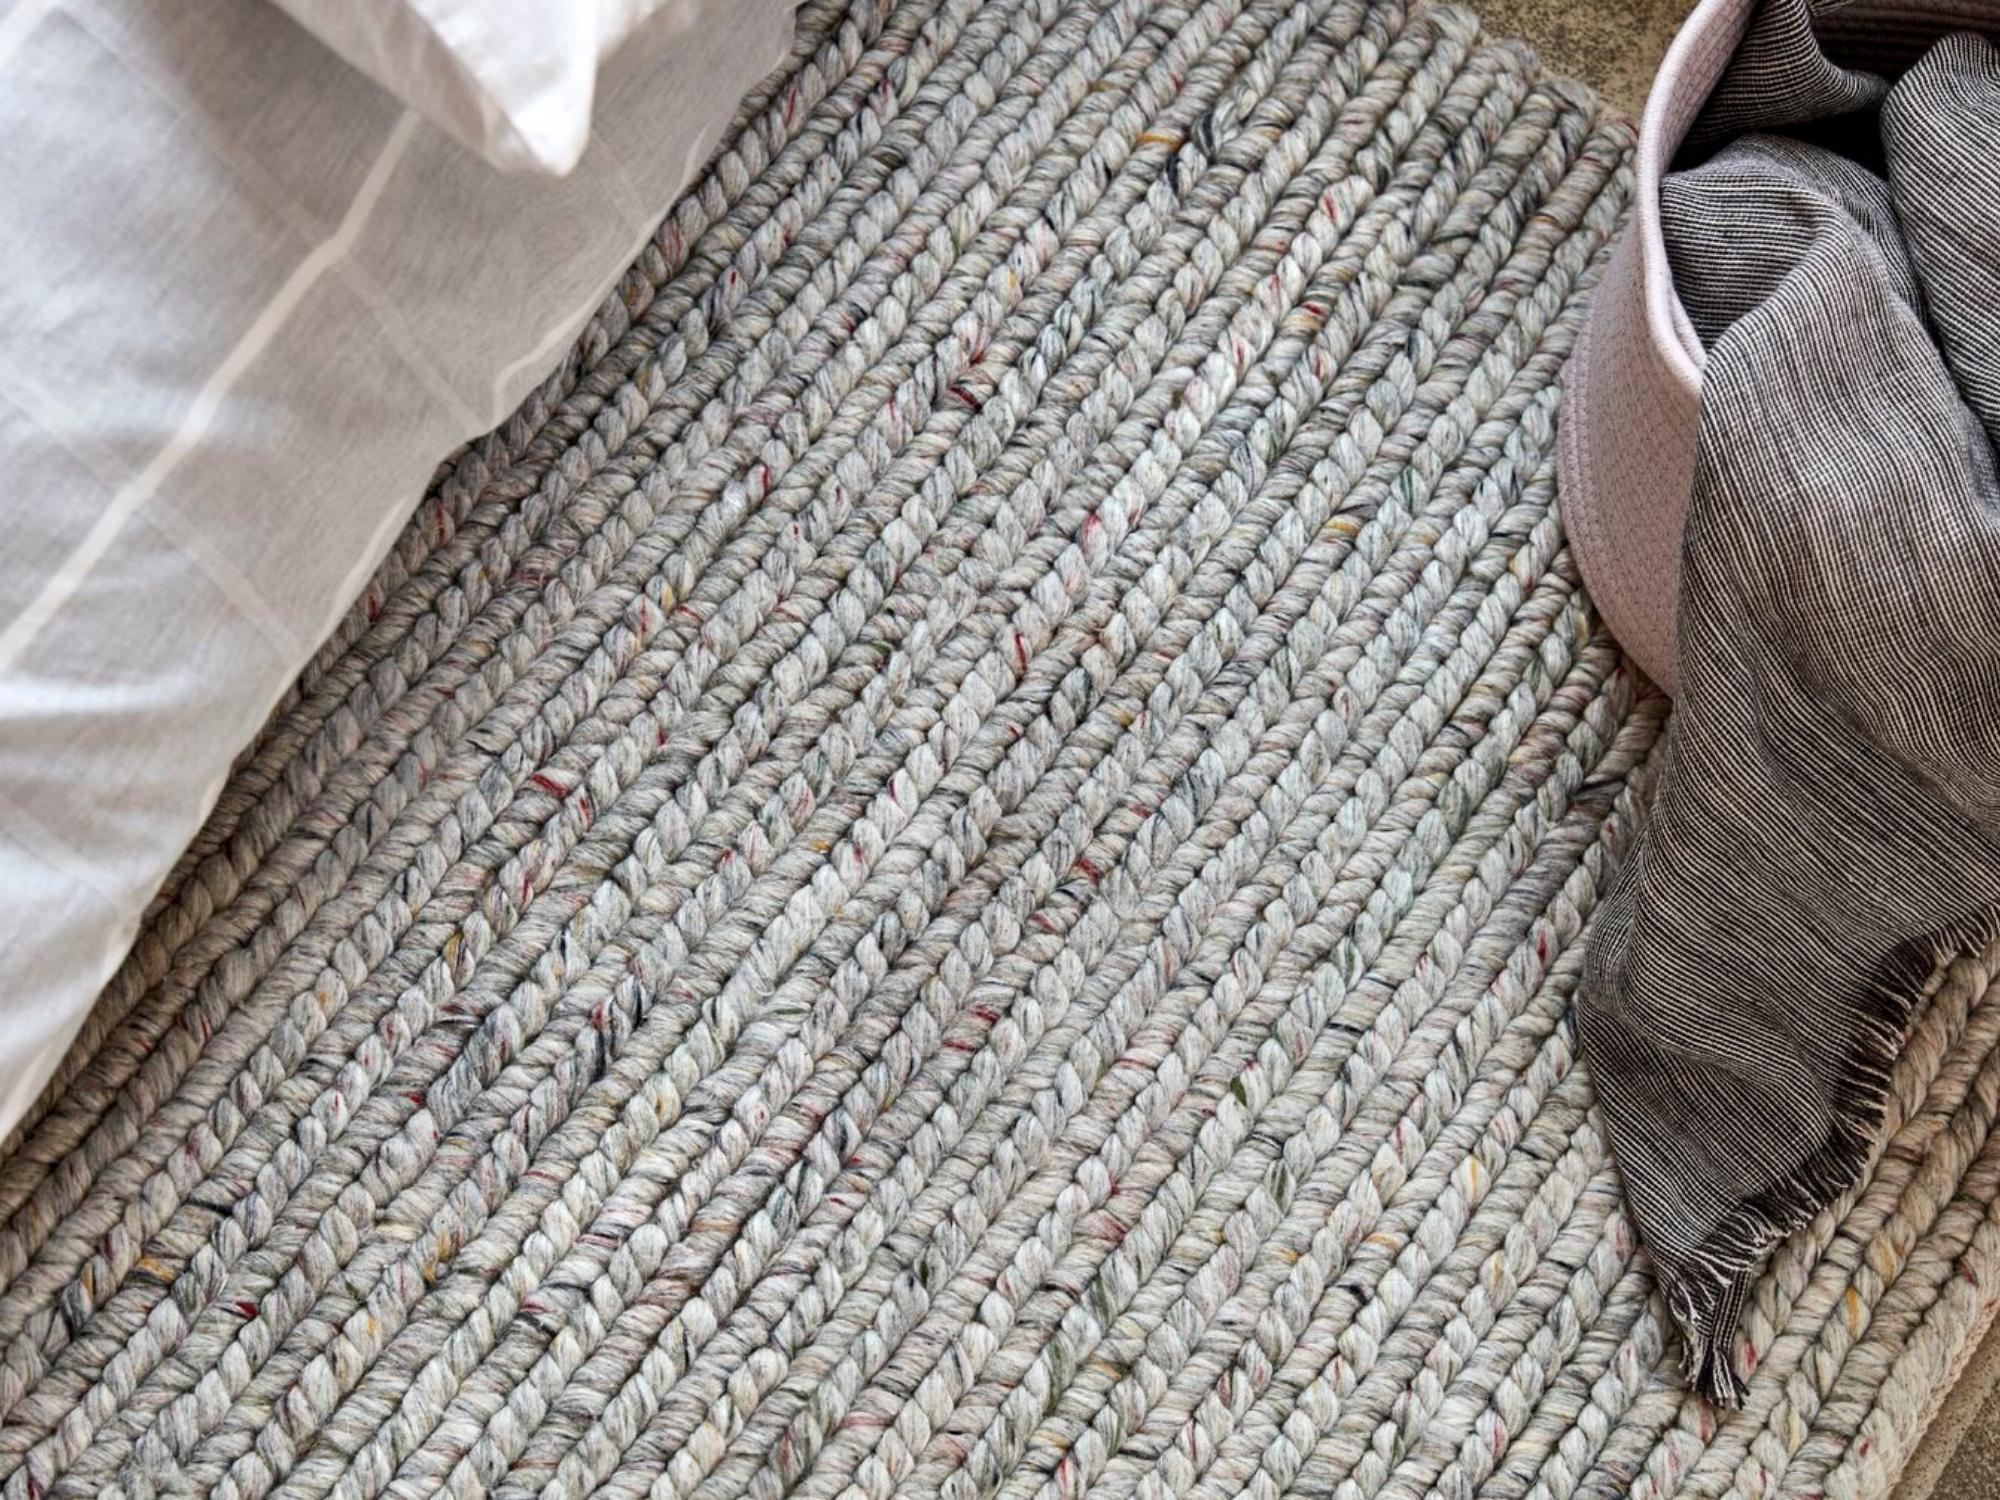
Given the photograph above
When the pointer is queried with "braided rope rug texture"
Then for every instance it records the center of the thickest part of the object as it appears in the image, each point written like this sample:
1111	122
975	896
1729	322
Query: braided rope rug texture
955	865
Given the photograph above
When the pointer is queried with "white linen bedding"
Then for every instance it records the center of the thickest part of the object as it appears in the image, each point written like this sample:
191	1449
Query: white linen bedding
512	79
248	300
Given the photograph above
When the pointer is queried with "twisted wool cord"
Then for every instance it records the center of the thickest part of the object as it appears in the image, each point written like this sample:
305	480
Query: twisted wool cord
1892	1424
1365	1197
1914	1292
385	676
955	864
485	573
1276	1342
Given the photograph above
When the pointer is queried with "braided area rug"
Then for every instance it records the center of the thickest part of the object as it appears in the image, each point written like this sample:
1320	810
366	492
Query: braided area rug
955	866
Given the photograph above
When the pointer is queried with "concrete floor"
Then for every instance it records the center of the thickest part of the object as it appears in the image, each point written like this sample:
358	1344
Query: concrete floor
1614	45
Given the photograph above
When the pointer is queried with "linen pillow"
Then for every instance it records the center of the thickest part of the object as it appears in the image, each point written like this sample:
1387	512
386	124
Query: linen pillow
511	79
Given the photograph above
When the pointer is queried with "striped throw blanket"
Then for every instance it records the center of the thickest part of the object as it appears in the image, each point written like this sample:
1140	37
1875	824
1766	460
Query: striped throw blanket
1828	821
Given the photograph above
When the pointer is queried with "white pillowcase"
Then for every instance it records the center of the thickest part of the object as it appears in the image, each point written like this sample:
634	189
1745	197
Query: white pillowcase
248	301
512	79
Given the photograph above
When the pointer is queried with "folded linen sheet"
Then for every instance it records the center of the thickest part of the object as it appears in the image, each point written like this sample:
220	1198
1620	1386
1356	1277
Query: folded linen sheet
1828	822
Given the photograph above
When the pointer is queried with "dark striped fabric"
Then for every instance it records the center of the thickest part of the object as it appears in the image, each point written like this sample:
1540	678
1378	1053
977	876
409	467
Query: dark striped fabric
1828	821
